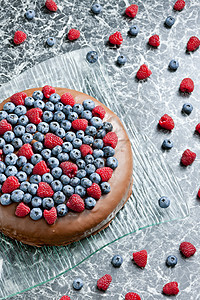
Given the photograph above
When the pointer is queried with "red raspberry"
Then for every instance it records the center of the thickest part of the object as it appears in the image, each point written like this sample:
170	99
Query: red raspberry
154	40
40	168
143	72
73	34
4	126
104	282
44	190
193	43
34	115
19	37
18	98
110	139
188	157
171	288
94	191
69	168
48	90
76	203
51	140
26	150
99	112
132	296
10	185
65	298
198	128
50	215
116	38
85	150
51	5
22	210
1	155
67	99
140	258
80	124
105	173
187	85
166	122
179	5
187	249
131	11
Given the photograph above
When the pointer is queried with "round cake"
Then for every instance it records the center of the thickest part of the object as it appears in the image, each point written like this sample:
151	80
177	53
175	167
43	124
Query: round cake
111	183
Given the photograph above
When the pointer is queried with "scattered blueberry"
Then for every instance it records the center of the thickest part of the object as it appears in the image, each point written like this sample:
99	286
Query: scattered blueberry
3	115
74	181
121	60
77	284
96	122
51	41
9	107
58	106
187	108
53	162
134	30
167	144
54	98
112	162
62	210
11	159
97	153
78	108
96	8
23	120
46	153
75	154
86	114
47	116
171	261
63	156
88	104
173	65
36	213
70	136
29	101
92	57
164	202
90	203
105	187
56	150
5	199
169	21
43	127
2	178
38	95
2	142
89	159
65	179
17	195
49	106
8	136
30	14
80	163
116	261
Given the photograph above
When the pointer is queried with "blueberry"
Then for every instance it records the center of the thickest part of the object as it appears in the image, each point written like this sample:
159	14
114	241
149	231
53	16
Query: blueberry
28	168
169	21
43	127
121	60
107	126
30	14
53	162
90	168
96	122
70	136
47	177
88	139
36	201
116	261
67	109
51	41
171	261
5	199
66	125
56	172
100	134
74	181
78	108
112	162
8	136
36	213
62	210
2	178
96	9
89	159
22	176
31	128
9	107
80	190
49	106
78	284
77	143
19	130
88	104
8	148
3	115
29	101
63	156
11	159
72	116
80	163
75	154
11	171
32	188
164	202
17	195
24	186
187	108
53	126
99	163
59	197
86	183
134	30
35	179
108	151
86	114
20	110
80	134
37	146
27	138
39	103
47	116
56	150
98	144
60	132
94	177
38	95
47	203
67	147
56	185
21	161
23	120
68	190
59	116
12	119
27	198
2	142
65	179
38	136
105	187
46	153
59	106
54	98
173	65
92	56
91	130
2	167
17	143
167	144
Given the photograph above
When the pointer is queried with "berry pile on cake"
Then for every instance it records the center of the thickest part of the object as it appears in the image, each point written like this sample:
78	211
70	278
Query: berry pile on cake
65	166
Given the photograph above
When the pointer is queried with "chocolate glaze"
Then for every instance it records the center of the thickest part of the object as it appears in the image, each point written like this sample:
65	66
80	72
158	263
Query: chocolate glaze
75	226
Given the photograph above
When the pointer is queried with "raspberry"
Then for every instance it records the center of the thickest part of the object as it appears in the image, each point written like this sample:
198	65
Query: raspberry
40	168
18	98
187	249
179	5
73	34
50	215
166	122
132	296
154	40
80	124
65	298
131	11
197	128
26	150
193	43
48	90
22	210
188	157
19	37
85	150
140	258
51	5
99	112
34	115
69	168
10	185
105	173
116	38
171	288
104	282
94	191
110	139
76	203
67	99
143	72
44	190
51	140
187	85
4	126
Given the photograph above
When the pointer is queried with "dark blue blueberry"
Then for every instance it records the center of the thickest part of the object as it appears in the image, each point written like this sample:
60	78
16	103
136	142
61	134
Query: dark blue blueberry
59	116
121	60
47	116
78	284
98	144
100	134
96	122
36	201
5	199
51	41
88	139
2	178
164	202
59	106
96	9
21	161
11	171
2	167
112	162
80	134
63	156
3	115
90	203
38	146
74	181
30	14
47	203
67	147
36	213
97	153
105	187
2	143
27	197
171	261
116	261
53	162
29	101
38	95
28	168
27	138
77	143
65	179
88	104
56	185
169	21
59	197
78	108
187	108
60	132
8	148
91	130
68	190
72	116
80	163
31	128
47	177
12	119
35	179
67	109
56	150
9	107
20	110
80	190
107	126
167	144
23	120
17	143
86	114
56	172
38	136
17	195
86	183
46	153
22	176
43	127
11	159
94	177
70	136
173	65
49	106
24	186
54	98
32	188
92	56
75	154
134	30
99	163
66	125
89	159
19	130
62	210
9	136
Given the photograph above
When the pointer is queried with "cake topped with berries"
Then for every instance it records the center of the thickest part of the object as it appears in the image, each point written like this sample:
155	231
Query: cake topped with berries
65	166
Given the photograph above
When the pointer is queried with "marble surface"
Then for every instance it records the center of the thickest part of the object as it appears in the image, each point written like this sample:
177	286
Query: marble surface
144	101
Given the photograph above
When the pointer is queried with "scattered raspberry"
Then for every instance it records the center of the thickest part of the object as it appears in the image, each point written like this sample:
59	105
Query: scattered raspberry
104	282
188	157
50	215
94	191
69	168
76	203
193	43
26	150
110	139
67	99
187	249
51	5
40	168
44	190
197	128
4	126
85	150
132	296
154	40
10	185
65	298
187	85
51	140
171	288
143	72
131	11
1	155
22	210
34	115
116	38
105	173
73	34
140	258
166	122
19	37
99	112
80	124
18	98
48	90
179	5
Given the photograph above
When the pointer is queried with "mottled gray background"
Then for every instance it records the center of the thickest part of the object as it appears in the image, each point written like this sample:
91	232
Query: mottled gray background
148	101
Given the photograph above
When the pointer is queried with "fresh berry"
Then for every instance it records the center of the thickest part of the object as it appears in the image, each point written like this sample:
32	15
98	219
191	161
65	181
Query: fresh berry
154	40
67	99
44	190
34	115
179	5
140	258
116	261
164	202
187	85
50	215
105	187
70	169
41	168
96	8
90	203
187	249
73	34
171	261
10	185
80	124
173	65
19	37
85	150
104	282
18	98
112	162
171	288
22	210
30	14
5	126
167	144
166	122
169	21
51	5
92	57
88	104
193	43
131	11
78	284
121	60
5	199
110	139
134	30
32	188
187	108
188	157
76	203
51	41
105	173
132	296
48	90
51	140
143	72
35	213
28	168
99	112
26	150
116	38
94	191
37	95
